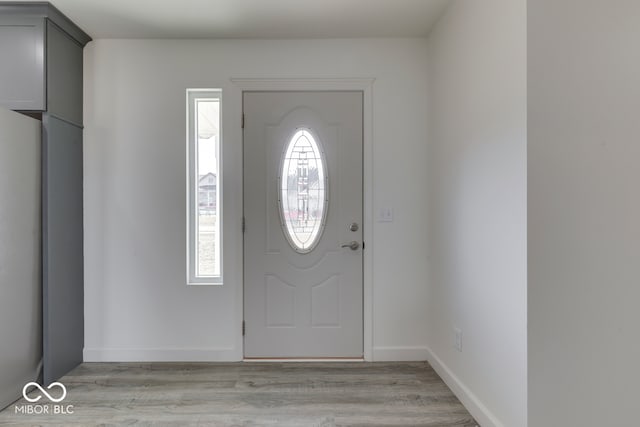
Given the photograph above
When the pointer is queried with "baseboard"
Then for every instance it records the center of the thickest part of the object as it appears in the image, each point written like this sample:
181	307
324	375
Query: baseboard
470	401
399	354
161	355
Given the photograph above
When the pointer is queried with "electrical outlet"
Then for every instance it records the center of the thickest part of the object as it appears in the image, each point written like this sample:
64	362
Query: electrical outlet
457	343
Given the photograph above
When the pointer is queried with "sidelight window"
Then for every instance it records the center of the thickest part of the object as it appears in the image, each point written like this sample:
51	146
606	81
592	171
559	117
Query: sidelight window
204	208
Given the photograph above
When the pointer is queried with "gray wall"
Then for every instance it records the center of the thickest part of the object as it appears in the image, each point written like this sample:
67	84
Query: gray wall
476	217
584	212
20	271
137	304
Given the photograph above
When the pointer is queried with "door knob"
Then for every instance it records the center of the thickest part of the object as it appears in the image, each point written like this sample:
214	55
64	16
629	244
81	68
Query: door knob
352	245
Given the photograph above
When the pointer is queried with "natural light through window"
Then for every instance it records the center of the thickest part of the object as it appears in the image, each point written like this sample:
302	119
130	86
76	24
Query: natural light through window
303	198
204	255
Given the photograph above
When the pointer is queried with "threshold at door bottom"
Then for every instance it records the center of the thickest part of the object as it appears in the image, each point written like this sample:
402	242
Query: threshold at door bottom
303	359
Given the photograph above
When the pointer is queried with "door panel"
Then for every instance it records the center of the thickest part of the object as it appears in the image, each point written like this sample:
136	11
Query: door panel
300	302
63	272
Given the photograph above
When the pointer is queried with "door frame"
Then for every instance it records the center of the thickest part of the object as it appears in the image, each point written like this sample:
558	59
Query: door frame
364	85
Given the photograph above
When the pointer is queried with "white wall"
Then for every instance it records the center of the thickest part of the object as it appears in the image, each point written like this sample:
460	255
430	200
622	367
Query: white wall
20	260
584	212
137	306
477	206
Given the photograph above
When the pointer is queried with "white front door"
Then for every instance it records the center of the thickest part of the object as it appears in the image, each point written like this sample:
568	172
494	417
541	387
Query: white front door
303	284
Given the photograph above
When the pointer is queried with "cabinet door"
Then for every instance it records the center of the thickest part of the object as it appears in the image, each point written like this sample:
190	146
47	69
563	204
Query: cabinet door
63	269
22	73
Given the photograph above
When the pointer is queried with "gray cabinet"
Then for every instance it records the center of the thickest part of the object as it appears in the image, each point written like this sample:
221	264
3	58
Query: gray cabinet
64	75
63	270
41	75
22	69
41	60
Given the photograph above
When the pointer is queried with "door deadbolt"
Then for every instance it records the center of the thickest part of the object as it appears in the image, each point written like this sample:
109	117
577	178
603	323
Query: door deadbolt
353	226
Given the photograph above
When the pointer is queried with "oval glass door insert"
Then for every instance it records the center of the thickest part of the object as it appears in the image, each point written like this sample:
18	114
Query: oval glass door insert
303	192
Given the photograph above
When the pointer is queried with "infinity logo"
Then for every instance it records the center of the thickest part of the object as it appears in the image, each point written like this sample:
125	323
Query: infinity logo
43	391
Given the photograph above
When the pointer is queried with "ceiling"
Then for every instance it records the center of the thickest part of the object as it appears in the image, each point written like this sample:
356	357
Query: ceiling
252	18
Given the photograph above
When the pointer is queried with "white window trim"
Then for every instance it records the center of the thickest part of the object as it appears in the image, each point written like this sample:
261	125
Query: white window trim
192	192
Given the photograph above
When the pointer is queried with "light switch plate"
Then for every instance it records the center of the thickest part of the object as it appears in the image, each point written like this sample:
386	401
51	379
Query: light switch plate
385	215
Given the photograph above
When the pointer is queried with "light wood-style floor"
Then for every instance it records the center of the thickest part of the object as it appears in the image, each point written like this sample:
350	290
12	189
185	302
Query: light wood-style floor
253	394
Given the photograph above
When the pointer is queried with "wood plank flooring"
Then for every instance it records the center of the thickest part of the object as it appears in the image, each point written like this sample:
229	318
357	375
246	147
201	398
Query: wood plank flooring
252	394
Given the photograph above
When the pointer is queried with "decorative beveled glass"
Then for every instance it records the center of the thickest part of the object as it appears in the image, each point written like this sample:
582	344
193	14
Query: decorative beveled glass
303	195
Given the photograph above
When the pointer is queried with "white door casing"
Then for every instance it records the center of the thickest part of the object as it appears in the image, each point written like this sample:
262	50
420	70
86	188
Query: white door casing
303	304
